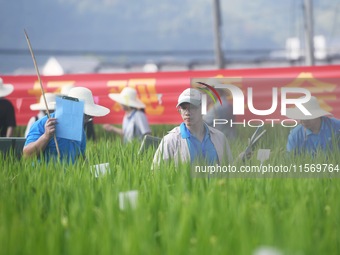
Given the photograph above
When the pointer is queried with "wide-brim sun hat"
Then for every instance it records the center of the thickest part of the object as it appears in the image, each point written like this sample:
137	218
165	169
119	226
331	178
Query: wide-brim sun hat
90	108
41	106
191	96
127	97
312	106
5	89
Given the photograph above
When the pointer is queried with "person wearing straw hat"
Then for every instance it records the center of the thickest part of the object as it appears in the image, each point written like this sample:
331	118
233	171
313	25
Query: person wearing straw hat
193	140
135	124
40	137
315	131
7	113
41	107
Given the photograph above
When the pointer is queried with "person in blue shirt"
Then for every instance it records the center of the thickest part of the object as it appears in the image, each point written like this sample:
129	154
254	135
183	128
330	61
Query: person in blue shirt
316	132
193	141
40	139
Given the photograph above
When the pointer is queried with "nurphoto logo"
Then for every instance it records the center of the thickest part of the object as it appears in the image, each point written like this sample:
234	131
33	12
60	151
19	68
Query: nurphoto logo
239	103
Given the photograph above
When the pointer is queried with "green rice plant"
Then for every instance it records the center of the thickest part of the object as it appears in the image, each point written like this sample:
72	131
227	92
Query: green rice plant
56	208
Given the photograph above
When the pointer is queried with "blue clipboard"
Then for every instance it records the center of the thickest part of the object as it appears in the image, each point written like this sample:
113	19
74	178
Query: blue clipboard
70	114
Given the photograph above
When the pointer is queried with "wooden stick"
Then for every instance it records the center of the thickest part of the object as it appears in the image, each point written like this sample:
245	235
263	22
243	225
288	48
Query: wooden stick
41	87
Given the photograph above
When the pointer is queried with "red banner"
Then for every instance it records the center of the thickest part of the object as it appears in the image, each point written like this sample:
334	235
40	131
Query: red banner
159	91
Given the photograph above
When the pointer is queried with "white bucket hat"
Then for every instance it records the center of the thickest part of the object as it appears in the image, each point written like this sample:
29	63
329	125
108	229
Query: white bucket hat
128	97
50	99
312	106
191	96
5	89
90	108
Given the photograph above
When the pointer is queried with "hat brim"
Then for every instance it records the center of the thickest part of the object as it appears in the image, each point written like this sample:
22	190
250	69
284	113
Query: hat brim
295	113
6	89
190	101
42	107
95	110
126	101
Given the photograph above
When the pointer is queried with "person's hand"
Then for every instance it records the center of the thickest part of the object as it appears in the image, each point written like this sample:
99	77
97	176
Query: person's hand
50	127
107	127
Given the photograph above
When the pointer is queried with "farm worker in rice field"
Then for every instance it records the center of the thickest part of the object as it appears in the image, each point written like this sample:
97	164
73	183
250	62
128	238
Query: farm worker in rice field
7	113
135	123
315	132
193	140
40	140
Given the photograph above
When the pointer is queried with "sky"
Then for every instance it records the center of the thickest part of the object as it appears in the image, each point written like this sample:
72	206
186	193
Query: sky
149	25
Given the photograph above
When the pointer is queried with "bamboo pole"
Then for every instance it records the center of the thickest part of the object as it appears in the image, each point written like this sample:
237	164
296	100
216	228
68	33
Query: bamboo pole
41	87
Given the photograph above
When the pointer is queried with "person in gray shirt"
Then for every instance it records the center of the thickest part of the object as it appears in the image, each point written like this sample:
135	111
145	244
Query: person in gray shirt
135	123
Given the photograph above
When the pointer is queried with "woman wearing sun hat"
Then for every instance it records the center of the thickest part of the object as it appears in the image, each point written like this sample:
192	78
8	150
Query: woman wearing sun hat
7	113
40	137
315	132
135	123
41	107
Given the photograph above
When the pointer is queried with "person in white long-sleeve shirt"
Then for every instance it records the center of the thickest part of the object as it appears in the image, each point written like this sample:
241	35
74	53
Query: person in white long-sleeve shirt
193	140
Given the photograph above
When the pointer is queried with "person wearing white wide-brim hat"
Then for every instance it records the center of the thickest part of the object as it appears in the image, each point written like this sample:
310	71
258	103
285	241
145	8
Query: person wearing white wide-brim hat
316	131
7	113
135	123
40	137
41	107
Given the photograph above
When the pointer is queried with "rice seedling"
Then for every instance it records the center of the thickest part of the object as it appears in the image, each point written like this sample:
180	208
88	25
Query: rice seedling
64	209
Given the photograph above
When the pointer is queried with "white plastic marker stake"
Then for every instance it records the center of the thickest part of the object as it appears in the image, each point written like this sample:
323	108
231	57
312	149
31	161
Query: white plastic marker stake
262	155
267	250
128	199
100	169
